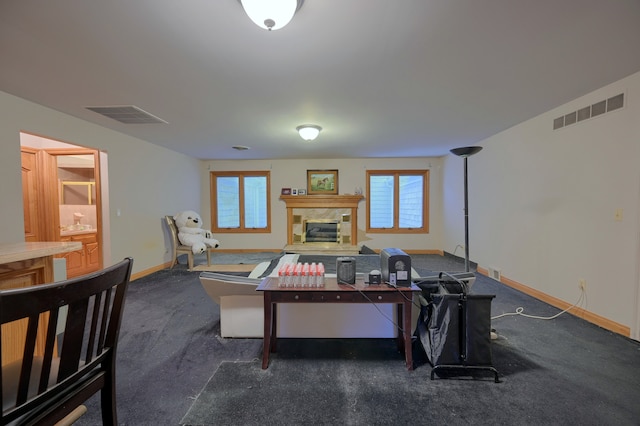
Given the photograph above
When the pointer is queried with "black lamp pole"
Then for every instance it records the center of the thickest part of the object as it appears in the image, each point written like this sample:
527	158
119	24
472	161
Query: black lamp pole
465	152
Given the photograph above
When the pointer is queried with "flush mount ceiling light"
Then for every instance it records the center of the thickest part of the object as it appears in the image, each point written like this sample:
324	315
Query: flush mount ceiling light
309	132
271	14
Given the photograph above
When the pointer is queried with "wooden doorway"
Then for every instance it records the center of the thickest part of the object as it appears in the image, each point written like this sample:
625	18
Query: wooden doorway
53	181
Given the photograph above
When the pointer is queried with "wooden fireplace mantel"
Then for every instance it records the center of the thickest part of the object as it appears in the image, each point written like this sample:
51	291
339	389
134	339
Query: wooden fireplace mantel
322	202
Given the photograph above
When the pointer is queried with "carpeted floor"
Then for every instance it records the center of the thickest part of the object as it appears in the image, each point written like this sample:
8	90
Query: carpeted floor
221	258
173	366
366	383
225	268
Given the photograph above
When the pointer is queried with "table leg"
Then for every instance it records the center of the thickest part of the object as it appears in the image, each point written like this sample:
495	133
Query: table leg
406	313
400	321
274	326
266	344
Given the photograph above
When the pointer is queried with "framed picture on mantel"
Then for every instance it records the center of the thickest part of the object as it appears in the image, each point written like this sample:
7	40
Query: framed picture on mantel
322	182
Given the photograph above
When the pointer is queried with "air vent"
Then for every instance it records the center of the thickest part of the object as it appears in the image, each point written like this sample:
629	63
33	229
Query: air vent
495	273
128	114
594	110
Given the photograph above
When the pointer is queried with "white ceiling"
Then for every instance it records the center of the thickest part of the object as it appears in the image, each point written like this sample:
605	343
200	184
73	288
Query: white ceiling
384	78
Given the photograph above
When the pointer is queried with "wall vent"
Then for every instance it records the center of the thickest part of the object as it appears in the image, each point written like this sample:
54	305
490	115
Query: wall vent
128	114
495	273
590	111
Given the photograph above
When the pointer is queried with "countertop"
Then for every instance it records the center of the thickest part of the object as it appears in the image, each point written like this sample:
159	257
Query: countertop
77	232
15	252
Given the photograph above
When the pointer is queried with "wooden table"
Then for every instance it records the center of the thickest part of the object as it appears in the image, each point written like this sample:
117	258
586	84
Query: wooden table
333	292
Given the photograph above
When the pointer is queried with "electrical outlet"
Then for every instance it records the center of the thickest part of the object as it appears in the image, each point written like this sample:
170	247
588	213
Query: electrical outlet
582	284
619	214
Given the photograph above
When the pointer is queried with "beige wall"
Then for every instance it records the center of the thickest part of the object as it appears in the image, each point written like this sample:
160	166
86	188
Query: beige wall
145	181
351	174
543	202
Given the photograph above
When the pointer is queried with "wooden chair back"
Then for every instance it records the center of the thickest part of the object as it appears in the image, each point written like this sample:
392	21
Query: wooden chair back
81	320
178	248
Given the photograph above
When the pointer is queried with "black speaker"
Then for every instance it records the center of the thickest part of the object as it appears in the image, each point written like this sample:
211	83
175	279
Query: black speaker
346	270
395	266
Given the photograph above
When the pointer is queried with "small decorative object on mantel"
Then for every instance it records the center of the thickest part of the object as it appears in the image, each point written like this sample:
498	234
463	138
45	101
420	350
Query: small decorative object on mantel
322	182
302	191
294	191
285	191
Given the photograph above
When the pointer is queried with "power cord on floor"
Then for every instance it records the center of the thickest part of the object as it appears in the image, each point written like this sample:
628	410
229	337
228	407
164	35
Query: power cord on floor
520	310
456	249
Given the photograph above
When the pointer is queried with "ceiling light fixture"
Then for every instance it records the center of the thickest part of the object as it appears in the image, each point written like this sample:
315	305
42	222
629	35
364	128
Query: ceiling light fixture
309	132
271	14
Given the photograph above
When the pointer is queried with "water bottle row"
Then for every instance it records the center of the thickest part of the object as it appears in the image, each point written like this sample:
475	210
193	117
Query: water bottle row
301	275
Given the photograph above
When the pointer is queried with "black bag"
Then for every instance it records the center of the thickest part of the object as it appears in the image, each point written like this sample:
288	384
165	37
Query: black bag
455	328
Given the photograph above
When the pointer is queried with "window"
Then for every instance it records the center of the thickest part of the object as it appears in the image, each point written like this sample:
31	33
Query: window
240	202
398	201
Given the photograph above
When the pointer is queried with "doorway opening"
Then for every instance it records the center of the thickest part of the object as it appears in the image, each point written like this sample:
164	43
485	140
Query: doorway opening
65	198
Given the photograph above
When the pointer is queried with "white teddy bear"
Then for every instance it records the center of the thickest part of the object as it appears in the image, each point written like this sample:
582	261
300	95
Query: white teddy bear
190	232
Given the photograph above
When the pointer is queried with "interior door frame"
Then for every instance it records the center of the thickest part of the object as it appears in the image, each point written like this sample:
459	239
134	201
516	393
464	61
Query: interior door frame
47	194
52	167
635	332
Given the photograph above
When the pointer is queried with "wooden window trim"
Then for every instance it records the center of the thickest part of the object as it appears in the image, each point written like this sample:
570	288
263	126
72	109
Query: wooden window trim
214	202
425	202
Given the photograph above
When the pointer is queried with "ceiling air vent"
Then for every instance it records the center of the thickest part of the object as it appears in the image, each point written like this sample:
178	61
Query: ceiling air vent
128	114
590	111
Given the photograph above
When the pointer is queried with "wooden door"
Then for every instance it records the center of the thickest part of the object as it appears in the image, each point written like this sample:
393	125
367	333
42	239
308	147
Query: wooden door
40	196
48	197
30	195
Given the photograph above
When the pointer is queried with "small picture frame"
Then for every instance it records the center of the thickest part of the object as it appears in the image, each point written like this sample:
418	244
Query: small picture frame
294	191
302	191
285	191
322	182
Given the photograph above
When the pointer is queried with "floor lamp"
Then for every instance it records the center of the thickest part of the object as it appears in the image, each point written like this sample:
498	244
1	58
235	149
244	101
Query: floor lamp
461	321
465	152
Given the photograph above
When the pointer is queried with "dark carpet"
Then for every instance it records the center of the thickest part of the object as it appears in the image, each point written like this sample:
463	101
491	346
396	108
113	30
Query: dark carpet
174	367
369	385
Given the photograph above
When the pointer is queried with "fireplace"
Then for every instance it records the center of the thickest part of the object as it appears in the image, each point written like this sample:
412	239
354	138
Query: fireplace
321	231
318	223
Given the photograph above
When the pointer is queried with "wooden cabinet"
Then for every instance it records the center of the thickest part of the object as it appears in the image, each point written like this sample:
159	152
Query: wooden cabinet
24	265
93	256
84	260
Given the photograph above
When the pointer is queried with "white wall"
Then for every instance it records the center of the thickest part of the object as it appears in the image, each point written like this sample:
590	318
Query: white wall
351	174
145	181
542	204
